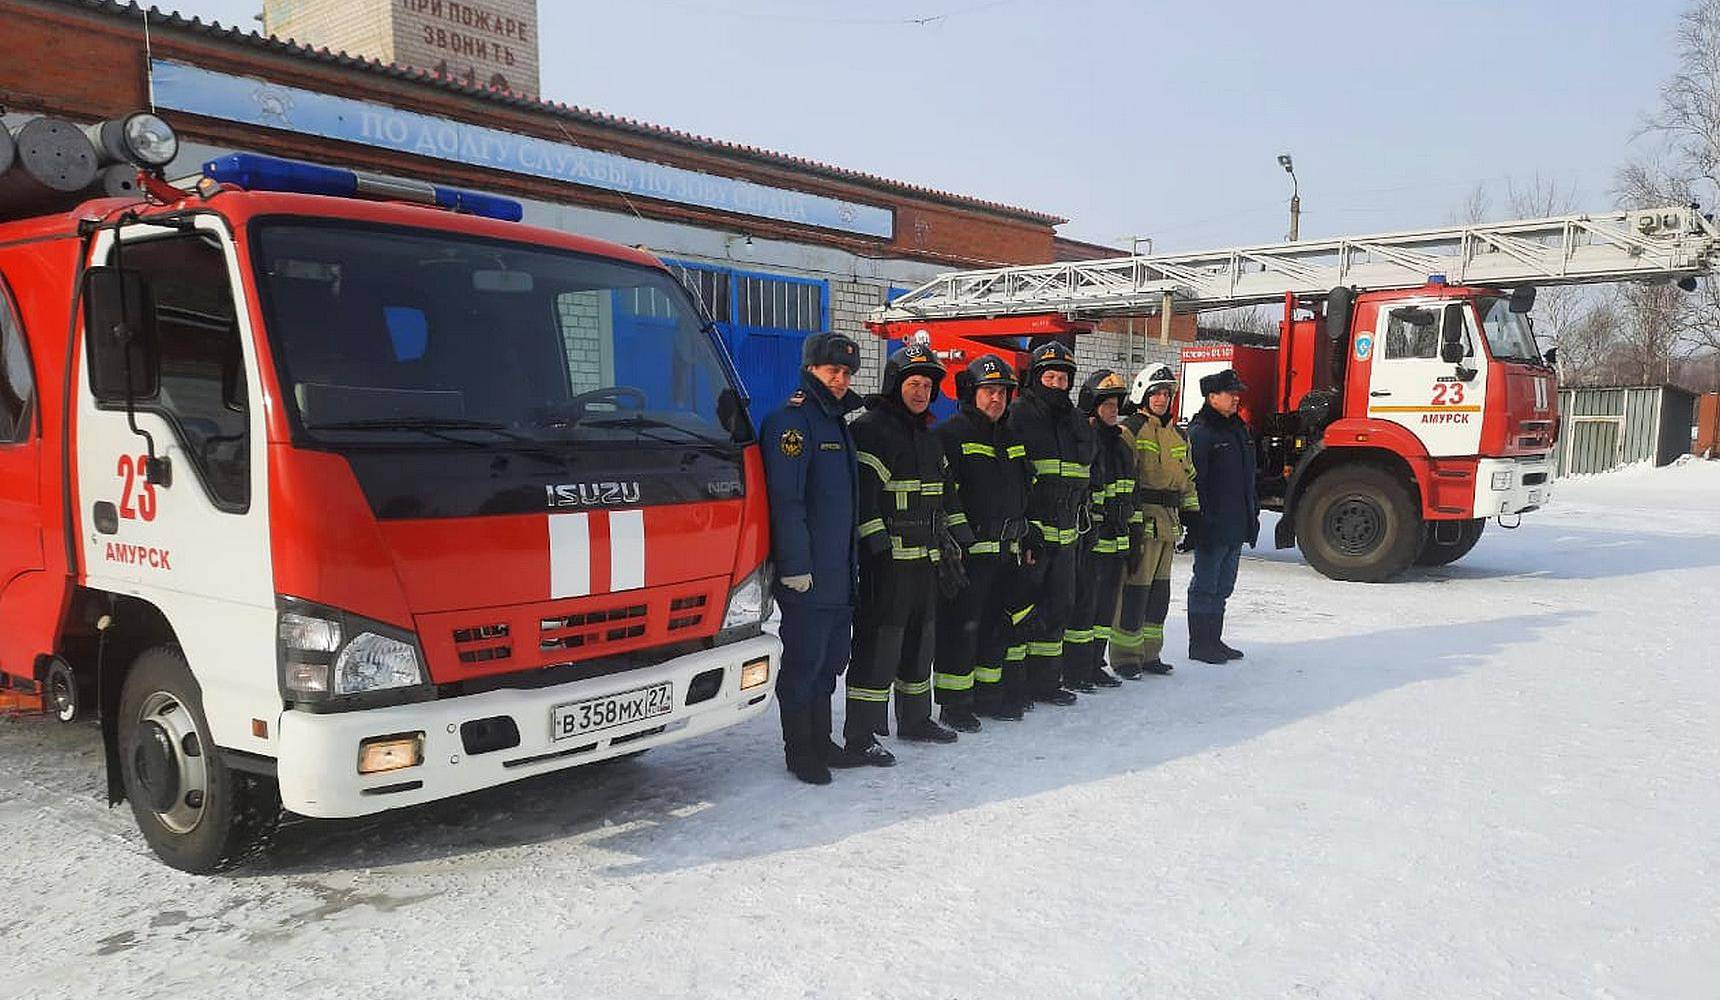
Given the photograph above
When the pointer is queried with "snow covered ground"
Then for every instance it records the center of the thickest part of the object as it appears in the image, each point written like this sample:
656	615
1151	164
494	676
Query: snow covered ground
1500	778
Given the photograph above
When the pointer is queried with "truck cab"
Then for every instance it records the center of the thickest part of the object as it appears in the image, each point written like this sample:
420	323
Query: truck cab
346	504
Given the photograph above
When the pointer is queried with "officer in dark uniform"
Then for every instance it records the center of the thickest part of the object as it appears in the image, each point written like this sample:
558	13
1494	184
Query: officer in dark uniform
1223	455
809	464
1060	447
1108	539
909	523
989	470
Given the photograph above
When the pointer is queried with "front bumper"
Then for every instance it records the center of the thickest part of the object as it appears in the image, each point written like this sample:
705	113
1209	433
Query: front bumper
318	762
1512	485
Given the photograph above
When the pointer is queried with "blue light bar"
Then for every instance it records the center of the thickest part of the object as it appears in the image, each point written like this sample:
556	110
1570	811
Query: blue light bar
271	173
1436	279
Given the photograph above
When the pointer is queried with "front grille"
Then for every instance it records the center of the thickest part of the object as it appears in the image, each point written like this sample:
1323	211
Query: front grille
569	632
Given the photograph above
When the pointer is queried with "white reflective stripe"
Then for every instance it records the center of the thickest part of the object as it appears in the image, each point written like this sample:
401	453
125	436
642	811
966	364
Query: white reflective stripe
626	550
569	555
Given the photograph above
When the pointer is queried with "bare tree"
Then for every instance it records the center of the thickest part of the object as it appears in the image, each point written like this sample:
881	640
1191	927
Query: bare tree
1477	206
1589	344
1650	332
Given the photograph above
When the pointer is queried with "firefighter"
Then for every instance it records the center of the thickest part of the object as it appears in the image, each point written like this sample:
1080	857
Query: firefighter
1164	489
810	476
1224	465
1108	538
989	471
909	524
1059	446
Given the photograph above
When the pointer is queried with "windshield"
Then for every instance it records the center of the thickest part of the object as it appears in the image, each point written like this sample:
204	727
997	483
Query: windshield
1508	334
386	335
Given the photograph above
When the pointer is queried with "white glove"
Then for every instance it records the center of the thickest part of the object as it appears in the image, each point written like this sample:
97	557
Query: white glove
800	584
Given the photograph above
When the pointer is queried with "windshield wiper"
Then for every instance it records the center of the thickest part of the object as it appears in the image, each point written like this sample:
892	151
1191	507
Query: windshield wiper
643	424
435	427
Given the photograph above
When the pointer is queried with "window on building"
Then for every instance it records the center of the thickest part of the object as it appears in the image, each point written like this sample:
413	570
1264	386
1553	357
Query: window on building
778	303
202	391
709	285
17	386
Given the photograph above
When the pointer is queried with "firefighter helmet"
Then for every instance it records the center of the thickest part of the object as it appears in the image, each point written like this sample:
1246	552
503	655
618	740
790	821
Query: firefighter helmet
912	359
987	369
1101	385
1149	381
1052	355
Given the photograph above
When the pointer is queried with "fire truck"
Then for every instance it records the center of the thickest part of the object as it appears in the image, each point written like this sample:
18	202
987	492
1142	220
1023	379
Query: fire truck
341	493
1405	401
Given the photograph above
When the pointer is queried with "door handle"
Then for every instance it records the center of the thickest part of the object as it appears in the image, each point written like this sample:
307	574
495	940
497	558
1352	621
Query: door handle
1380	392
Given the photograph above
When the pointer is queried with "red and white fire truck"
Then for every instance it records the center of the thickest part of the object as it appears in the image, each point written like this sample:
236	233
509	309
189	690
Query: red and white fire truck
1405	401
342	493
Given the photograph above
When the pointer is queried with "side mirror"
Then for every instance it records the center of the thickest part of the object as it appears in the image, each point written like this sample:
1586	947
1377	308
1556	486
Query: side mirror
732	415
1451	348
120	335
1522	298
1552	357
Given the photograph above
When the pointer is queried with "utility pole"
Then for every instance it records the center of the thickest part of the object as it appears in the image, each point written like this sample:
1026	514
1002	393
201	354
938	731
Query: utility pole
1295	197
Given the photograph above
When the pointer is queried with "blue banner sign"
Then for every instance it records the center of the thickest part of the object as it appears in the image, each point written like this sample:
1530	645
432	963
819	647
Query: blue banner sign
199	91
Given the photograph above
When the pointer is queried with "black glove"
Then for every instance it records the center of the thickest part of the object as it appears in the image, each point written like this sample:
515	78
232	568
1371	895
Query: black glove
1194	525
1137	548
952	575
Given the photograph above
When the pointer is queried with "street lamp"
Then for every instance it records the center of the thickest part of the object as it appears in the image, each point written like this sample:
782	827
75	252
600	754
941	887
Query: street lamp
1295	196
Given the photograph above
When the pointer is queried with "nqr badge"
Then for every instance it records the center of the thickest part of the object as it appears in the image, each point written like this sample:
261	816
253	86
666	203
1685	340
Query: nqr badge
793	443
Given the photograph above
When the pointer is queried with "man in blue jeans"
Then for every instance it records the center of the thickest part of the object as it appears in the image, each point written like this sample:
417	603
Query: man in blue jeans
1224	475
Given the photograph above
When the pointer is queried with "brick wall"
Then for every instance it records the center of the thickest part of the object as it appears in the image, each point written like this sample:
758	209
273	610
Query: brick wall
356	27
1121	353
584	320
850	304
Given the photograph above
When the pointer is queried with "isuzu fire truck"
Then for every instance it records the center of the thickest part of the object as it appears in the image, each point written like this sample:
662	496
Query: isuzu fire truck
1405	402
343	493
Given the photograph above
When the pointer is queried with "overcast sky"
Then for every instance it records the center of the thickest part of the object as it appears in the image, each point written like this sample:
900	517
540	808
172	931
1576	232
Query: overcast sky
1151	119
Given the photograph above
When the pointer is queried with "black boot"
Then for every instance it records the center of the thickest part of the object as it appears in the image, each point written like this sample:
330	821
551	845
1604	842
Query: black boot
828	749
1057	696
802	757
1128	671
1003	711
1218	638
1103	678
1158	666
925	730
1202	639
867	754
960	719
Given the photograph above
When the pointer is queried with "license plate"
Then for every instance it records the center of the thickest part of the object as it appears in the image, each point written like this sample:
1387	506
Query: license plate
581	717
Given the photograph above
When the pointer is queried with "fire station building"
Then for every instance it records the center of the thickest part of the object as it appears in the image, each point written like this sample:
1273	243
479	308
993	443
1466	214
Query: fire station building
777	246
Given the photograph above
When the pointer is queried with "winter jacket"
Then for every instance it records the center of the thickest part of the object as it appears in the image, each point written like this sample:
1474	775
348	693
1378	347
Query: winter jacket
1111	489
1164	479
1060	448
809	468
991	475
905	484
1223	456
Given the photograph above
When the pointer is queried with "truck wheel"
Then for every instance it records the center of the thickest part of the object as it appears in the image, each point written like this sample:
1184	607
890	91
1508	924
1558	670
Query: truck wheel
1359	523
197	814
1435	552
60	685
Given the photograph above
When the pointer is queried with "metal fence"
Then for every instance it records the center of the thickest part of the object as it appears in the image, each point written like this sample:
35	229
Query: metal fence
1604	428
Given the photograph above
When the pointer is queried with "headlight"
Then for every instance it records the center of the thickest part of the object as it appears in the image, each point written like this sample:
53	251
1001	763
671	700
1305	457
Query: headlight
140	139
749	602
1502	480
326	655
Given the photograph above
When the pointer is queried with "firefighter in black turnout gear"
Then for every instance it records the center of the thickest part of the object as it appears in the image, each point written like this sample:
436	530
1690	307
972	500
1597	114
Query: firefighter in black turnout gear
990	474
1108	539
911	530
1060	447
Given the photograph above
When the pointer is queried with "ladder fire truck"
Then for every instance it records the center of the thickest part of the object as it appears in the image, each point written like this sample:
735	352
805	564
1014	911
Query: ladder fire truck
1405	401
343	493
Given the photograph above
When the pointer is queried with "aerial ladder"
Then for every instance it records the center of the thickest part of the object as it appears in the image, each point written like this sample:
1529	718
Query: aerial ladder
1405	401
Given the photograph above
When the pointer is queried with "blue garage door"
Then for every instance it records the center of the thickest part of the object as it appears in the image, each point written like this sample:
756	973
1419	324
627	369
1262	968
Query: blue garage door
763	319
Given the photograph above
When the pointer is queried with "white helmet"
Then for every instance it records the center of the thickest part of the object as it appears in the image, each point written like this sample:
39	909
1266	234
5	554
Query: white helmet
1149	379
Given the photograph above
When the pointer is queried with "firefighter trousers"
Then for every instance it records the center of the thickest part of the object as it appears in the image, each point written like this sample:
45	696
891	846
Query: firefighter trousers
894	637
973	637
1138	629
1098	581
1044	603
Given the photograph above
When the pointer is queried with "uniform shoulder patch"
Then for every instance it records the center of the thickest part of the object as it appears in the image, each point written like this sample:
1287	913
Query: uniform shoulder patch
793	443
797	398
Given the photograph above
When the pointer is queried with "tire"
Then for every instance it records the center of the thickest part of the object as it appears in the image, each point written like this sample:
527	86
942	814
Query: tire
1437	553
60	688
166	758
1359	523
